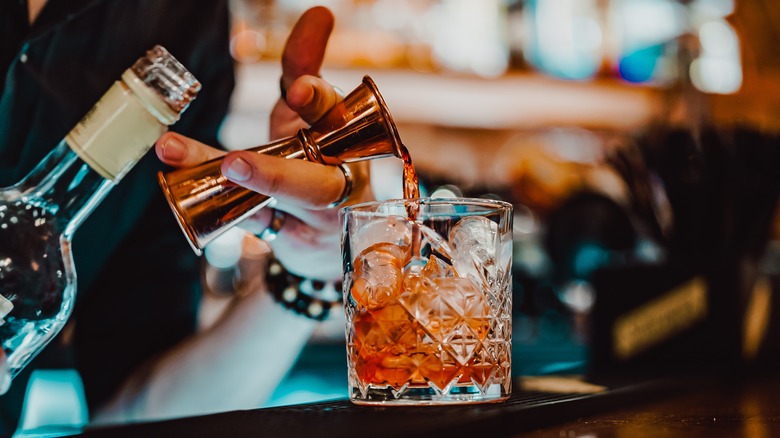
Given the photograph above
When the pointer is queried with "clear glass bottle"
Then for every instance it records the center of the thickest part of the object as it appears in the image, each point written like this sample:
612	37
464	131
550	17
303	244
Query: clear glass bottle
40	213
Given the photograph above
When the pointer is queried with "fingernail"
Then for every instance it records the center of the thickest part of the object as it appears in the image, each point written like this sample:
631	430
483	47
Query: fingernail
239	170
173	149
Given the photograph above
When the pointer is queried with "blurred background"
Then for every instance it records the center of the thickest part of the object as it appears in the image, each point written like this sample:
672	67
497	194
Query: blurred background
566	108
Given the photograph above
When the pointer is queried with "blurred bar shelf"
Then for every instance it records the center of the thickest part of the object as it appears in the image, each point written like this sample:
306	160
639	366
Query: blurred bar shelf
512	101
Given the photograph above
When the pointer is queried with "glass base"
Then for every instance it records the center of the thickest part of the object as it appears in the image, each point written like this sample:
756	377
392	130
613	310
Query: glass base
427	396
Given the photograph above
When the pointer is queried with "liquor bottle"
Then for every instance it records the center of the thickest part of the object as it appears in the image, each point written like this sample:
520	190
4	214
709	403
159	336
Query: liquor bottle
40	214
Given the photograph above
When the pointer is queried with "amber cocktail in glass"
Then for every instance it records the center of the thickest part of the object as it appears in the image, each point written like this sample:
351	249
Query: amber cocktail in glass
427	287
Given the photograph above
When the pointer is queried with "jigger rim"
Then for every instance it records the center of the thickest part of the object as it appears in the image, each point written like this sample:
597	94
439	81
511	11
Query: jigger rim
383	108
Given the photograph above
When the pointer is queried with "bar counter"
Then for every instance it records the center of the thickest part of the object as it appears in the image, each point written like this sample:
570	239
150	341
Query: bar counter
692	406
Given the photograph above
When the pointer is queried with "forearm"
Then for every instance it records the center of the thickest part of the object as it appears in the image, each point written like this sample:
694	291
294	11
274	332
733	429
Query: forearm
236	364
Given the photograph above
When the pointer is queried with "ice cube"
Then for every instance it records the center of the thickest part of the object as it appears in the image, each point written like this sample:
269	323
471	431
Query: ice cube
393	229
437	268
473	241
377	275
438	244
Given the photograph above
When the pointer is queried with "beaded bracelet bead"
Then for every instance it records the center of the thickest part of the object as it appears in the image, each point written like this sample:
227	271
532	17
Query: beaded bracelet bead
311	298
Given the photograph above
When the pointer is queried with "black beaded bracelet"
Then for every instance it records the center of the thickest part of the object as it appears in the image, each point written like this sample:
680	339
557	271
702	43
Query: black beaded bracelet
311	298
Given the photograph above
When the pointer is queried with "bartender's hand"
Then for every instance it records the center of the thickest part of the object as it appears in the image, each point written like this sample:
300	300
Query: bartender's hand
308	242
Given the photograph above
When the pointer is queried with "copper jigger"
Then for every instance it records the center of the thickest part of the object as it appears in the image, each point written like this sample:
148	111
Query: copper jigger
206	204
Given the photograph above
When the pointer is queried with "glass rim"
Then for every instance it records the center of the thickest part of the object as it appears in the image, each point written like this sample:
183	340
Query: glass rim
496	204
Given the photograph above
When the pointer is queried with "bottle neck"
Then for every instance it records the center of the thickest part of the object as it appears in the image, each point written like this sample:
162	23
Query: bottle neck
96	154
121	127
66	186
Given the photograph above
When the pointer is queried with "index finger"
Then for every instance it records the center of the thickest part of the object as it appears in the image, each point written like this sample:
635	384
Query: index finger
304	49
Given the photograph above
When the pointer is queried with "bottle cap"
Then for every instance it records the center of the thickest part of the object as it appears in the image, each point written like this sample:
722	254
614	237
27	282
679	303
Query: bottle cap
160	71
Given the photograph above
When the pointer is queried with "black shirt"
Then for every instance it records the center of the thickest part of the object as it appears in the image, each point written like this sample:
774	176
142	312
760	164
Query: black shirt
137	278
14	26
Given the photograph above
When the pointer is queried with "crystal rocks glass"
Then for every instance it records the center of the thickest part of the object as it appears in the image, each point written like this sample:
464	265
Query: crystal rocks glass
428	299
